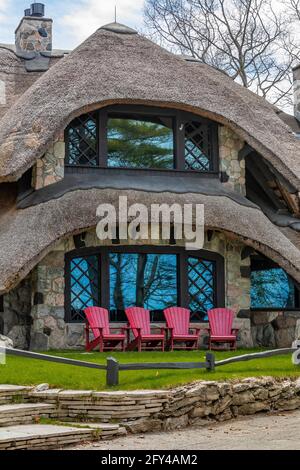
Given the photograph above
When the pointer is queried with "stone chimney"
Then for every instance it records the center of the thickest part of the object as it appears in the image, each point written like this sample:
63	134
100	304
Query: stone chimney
34	33
296	81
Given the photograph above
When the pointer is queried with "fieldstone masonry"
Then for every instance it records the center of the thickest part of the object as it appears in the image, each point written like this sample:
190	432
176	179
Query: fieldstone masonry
50	168
199	403
230	163
17	314
34	34
275	329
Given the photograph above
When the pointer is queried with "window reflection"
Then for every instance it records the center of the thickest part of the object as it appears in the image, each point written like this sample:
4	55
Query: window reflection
272	288
144	280
137	143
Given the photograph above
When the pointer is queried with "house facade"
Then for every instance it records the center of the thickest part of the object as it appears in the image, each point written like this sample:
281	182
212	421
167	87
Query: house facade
120	116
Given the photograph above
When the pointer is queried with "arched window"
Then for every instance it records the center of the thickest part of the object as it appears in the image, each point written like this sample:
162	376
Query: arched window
144	138
151	277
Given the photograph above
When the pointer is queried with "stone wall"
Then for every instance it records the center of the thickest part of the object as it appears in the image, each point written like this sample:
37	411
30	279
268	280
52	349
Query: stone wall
17	314
274	329
198	403
51	167
49	330
231	165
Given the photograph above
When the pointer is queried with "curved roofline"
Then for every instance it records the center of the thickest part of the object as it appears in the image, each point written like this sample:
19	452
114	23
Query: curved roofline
127	68
75	212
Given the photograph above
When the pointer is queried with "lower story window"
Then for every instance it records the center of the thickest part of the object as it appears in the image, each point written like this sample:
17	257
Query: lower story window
151	278
273	288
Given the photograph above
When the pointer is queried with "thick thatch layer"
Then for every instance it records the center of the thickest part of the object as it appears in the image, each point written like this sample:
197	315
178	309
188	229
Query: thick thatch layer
27	235
117	67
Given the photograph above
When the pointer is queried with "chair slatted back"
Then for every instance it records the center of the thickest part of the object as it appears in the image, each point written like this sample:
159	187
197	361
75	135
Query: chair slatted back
178	318
98	317
139	317
220	321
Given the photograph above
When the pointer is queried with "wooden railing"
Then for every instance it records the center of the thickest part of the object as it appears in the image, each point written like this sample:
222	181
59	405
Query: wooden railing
113	367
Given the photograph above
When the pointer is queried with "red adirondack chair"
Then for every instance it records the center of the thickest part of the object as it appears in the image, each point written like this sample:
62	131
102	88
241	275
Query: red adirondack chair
220	328
98	323
178	322
139	321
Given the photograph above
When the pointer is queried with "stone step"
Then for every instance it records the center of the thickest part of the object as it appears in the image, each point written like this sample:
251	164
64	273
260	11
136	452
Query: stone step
50	436
11	393
23	413
105	430
43	436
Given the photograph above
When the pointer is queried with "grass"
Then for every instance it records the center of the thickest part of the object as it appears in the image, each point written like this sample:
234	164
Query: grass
25	371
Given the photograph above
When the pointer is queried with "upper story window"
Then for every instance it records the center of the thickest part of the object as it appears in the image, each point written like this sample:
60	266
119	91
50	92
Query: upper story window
138	137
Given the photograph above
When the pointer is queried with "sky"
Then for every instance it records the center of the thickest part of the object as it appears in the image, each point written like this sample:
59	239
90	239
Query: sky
73	20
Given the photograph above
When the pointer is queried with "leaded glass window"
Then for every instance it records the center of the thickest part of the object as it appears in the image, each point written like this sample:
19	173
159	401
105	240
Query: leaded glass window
84	285
198	146
144	138
82	147
201	285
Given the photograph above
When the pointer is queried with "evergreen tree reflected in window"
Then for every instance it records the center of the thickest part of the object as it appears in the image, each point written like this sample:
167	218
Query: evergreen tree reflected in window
135	143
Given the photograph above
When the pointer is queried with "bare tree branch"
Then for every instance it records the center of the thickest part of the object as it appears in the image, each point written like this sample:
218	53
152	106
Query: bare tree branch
247	39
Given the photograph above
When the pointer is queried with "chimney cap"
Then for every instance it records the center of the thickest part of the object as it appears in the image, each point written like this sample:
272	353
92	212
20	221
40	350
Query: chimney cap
36	10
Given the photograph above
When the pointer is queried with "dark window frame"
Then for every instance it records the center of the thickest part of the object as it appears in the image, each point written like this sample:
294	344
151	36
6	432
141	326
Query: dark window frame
182	283
180	119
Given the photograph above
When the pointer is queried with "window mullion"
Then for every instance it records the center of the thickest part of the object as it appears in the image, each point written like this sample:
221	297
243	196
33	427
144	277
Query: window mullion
182	275
104	279
102	138
179	137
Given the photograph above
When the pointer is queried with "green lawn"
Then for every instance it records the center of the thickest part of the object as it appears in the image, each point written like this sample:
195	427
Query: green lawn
31	371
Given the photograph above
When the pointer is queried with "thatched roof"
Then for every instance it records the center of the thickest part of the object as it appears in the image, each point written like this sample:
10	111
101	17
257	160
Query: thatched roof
115	65
27	235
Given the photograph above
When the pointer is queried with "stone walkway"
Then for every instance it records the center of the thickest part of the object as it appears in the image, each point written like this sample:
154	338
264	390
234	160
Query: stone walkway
279	431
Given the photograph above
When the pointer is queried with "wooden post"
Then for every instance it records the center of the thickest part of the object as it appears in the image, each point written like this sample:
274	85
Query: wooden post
210	359
112	372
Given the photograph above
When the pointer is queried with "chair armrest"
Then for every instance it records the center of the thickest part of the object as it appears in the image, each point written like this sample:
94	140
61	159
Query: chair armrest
162	329
197	329
88	327
123	328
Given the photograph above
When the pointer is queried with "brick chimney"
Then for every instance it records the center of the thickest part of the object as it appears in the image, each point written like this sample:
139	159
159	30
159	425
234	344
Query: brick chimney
34	33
